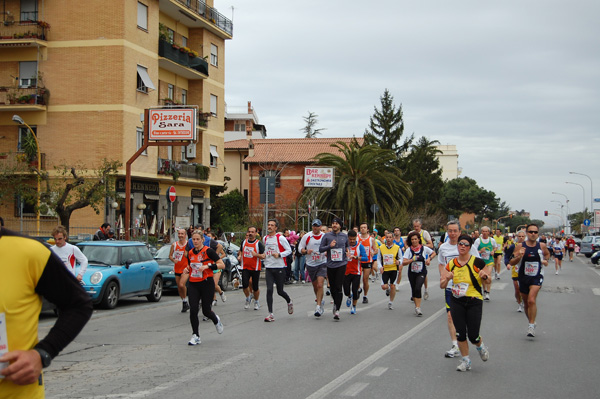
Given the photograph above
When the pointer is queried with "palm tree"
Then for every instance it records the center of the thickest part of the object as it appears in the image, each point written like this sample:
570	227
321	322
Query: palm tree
363	176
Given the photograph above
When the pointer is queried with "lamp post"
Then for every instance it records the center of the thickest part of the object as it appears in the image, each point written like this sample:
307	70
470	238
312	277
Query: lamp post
583	199
568	227
20	121
591	196
561	211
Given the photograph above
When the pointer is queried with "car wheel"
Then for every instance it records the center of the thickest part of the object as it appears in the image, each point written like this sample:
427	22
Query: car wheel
224	280
155	290
111	296
588	255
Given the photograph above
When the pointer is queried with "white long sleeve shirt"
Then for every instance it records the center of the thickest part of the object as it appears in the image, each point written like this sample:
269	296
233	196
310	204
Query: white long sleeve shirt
69	254
272	247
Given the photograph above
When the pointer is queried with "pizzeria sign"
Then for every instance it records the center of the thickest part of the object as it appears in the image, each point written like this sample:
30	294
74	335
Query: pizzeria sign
172	124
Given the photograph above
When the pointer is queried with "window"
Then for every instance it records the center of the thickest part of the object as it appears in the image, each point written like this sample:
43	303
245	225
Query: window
213	104
29	10
183	41
129	254
27	73
239	127
143	80
272	173
183	152
246	194
184	96
140	139
214	55
245	166
171	35
214	156
23	207
142	16
170	92
170	152
23	132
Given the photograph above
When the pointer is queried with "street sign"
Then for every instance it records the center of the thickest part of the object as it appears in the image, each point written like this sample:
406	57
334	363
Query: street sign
171	194
318	177
267	191
587	222
374	208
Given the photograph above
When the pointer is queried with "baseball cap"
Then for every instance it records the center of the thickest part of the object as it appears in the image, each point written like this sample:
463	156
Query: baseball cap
317	222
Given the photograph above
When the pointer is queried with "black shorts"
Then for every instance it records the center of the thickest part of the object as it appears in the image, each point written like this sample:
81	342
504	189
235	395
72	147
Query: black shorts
496	254
178	274
571	250
366	265
525	282
246	275
389	276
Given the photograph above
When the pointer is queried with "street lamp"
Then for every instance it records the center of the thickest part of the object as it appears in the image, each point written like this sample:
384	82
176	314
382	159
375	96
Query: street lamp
20	121
591	195
569	224
561	211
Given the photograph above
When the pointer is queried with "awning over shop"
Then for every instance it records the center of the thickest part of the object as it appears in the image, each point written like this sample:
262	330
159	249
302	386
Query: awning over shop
153	197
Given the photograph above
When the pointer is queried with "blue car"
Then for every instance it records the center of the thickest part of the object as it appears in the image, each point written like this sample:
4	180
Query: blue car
120	269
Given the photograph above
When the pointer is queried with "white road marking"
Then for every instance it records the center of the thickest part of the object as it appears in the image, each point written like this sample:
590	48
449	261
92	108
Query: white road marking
596	291
360	367
377	372
355	389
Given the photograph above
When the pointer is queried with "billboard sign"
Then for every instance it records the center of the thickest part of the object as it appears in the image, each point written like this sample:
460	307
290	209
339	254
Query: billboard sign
318	177
172	124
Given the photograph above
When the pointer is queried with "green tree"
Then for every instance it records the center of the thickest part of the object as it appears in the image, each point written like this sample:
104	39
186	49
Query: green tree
464	195
231	211
386	128
309	129
423	172
363	176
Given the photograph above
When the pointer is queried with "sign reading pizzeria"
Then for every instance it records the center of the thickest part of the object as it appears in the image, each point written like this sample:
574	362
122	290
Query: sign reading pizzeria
172	124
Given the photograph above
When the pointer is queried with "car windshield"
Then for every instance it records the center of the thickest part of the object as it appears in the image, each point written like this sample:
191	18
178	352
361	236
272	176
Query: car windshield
163	252
588	239
101	254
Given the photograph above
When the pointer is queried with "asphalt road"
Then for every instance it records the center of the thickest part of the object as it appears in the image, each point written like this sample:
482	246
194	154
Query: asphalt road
139	350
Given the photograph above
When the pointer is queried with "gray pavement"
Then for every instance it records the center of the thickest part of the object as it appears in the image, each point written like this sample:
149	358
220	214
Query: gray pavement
139	350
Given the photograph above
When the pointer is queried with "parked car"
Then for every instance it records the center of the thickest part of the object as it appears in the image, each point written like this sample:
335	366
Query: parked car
589	245
595	257
166	267
120	269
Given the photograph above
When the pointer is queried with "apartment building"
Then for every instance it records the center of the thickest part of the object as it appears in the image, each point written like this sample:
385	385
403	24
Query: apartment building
81	75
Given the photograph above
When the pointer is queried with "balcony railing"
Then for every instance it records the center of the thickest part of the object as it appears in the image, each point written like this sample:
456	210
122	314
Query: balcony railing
210	14
180	169
24	95
18	162
202	117
23	30
173	53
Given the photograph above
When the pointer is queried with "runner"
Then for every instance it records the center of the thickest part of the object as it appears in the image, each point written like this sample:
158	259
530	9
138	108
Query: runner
356	254
178	256
499	238
315	262
250	254
571	247
277	249
371	247
335	245
202	262
515	270
399	242
486	246
558	248
375	269
530	256
418	257
466	304
391	266
68	253
425	240
214	244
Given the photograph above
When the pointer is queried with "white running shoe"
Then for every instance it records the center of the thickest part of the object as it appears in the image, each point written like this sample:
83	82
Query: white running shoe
247	303
486	295
464	365
214	302
223	297
256	305
219	325
426	295
336	315
484	354
195	340
390	306
454	351
520	308
531	330
418	312
318	311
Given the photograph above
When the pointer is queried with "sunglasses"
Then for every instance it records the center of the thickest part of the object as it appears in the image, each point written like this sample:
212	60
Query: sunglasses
532	232
464	244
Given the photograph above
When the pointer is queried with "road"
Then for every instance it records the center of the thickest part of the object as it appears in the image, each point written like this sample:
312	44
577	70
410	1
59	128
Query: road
139	350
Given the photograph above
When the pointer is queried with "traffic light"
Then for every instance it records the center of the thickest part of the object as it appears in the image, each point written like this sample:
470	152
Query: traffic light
545	213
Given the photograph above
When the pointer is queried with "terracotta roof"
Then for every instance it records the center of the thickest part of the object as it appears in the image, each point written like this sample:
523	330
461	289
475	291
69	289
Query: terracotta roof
236	144
299	150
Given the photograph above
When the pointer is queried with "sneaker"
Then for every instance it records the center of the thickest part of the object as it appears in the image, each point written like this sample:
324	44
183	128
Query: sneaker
359	292
464	365
270	318
349	301
336	315
223	297
486	295
390	306
365	299
454	351
484	354
531	330
322	305
303	281
418	312
219	325
290	308
185	307
328	292
520	308
214	302
256	305
497	276
247	303
353	310
318	311
204	318
387	292
426	295
556	272
195	340
321	310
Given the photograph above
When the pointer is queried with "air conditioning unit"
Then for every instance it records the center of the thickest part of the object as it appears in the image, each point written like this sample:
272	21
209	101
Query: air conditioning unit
45	210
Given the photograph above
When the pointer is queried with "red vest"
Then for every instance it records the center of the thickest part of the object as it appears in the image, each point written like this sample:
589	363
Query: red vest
353	266
249	262
196	261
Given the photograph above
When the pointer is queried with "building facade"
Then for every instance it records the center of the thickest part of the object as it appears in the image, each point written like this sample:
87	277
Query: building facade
89	70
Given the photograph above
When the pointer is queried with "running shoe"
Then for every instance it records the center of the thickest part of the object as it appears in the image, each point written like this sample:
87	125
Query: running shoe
256	305
531	330
353	310
497	276
223	297
426	295
520	308
359	292
387	292
219	325
390	306
290	308
418	312
318	311
270	318
322	305
484	354
327	292
336	315
195	340
204	318
365	299
486	295
454	351
247	304
556	272
185	307
464	365
214	302
349	301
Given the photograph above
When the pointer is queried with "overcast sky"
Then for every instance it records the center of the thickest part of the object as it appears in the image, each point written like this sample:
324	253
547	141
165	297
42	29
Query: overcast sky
514	84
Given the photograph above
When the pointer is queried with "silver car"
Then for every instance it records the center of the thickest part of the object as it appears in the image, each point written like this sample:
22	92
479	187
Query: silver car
589	245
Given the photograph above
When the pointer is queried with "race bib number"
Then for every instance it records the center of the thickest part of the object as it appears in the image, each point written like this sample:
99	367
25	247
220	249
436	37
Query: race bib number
3	340
388	259
271	249
177	255
368	251
316	257
416	267
485	255
532	268
196	270
337	254
459	290
248	252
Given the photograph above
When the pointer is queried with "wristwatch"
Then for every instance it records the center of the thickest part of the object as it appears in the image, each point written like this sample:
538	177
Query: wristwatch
46	359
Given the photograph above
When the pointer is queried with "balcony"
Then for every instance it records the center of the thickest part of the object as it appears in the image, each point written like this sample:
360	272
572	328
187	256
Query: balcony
19	162
202	117
198	15
23	98
178	169
23	33
180	63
